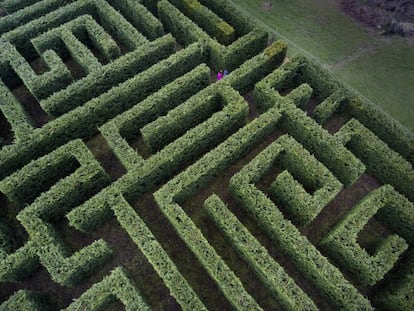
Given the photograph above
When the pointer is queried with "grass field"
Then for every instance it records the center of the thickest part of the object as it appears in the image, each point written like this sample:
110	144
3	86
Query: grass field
381	69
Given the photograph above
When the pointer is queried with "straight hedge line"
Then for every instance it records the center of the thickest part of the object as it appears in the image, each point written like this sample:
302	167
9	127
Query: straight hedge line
156	255
165	163
307	259
279	283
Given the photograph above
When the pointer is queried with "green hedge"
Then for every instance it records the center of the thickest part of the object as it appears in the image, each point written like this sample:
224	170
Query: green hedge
14	113
211	23
341	242
23	300
382	162
301	95
220	57
108	76
156	255
17	265
127	125
117	26
140	17
391	132
274	277
326	148
166	163
231	14
115	286
114	23
42	85
81	27
398	292
397	213
20	17
195	110
306	258
64	195
301	205
215	266
328	106
82	122
11	6
253	70
31	180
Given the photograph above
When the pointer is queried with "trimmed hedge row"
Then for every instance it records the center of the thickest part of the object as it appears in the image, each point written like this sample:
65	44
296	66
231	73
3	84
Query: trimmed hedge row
397	294
26	184
220	56
300	95
17	265
253	70
212	24
26	14
195	110
80	53
127	125
302	206
113	22
326	148
328	106
82	122
21	124
66	194
81	26
39	85
108	76
396	136
215	266
11	6
140	17
227	11
166	163
381	161
307	259
22	300
117	26
397	213
115	286
274	277
156	255
341	242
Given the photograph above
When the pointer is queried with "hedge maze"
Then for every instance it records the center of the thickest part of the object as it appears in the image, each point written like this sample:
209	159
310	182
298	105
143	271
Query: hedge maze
131	179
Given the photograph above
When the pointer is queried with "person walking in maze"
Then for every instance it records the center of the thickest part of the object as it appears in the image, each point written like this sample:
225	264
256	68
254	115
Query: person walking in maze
220	75
225	73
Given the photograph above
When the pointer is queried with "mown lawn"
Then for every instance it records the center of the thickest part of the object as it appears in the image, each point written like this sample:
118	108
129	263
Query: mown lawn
381	69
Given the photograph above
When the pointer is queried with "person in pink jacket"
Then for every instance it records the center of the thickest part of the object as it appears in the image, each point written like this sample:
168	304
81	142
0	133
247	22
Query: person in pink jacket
219	75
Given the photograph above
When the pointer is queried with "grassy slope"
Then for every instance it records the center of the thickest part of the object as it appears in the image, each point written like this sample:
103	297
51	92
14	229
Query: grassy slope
381	69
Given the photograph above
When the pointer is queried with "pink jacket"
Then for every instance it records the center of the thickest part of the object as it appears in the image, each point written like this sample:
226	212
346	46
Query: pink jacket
219	75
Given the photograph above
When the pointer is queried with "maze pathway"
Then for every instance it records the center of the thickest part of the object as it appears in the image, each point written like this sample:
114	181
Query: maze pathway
132	179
